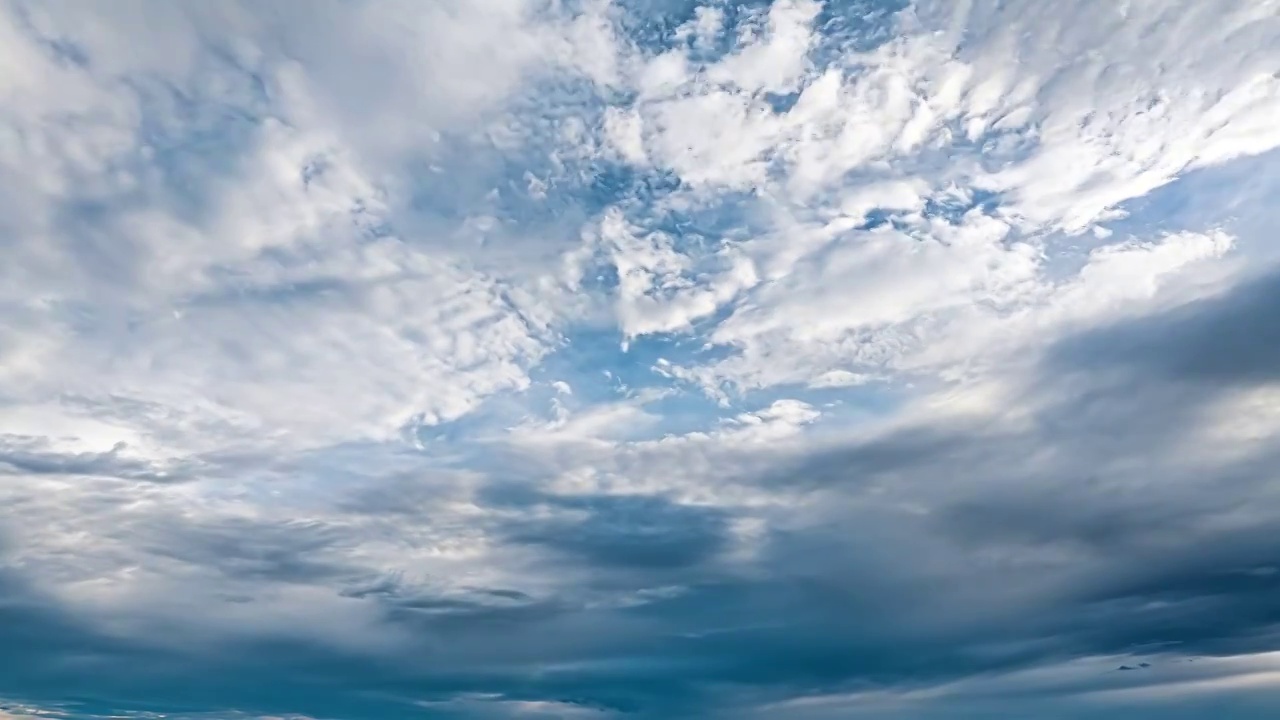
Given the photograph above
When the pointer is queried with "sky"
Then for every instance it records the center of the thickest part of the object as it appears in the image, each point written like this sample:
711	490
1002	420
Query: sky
567	359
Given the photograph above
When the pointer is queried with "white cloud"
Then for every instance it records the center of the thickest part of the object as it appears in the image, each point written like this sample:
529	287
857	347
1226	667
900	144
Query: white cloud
623	131
705	27
659	288
276	307
773	58
1123	103
1115	281
1067	132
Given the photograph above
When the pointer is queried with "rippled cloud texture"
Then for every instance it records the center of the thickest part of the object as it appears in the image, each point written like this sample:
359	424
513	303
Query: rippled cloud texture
640	358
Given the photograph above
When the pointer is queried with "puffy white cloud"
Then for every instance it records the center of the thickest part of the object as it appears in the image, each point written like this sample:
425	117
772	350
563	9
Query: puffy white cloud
965	102
211	235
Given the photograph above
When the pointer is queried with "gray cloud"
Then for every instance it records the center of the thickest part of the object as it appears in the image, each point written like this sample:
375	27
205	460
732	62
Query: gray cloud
285	551
1075	535
1231	339
626	532
35	456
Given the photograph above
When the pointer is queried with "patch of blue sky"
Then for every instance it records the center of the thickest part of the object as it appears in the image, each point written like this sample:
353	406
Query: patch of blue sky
781	103
700	225
458	182
599	371
459	438
955	206
654	26
844	26
1237	196
598	368
854	26
594	364
684	412
994	149
615	184
529	189
186	145
535	166
881	217
596	372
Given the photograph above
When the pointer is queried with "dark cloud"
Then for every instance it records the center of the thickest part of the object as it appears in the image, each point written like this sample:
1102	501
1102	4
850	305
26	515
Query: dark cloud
32	456
924	558
49	655
1231	339
403	601
294	551
627	532
955	550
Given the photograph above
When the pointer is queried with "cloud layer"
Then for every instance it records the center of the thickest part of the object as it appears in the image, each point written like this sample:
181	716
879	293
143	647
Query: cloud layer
639	358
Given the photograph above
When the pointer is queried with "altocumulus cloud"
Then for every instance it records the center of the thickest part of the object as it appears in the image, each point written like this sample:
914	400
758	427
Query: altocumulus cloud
640	358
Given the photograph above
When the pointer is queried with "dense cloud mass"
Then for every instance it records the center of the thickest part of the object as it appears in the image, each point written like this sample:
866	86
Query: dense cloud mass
640	358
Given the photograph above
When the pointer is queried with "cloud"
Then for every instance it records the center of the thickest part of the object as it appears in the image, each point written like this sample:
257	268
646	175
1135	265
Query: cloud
219	212
939	117
628	532
1230	338
638	359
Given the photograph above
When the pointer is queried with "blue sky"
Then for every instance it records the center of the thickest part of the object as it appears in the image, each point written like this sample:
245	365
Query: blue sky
639	359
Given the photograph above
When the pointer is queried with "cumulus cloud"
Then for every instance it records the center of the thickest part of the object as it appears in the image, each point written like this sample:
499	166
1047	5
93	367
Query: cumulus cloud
638	358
